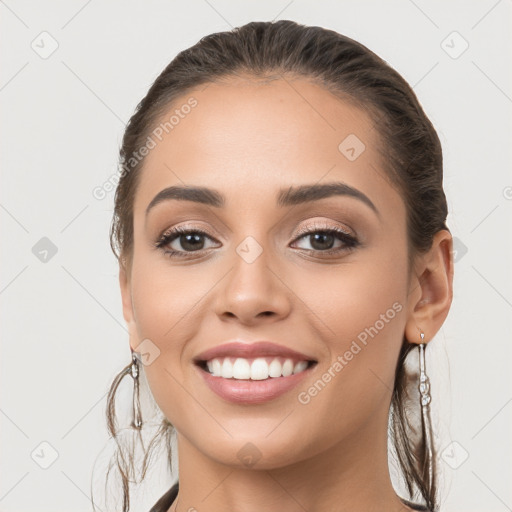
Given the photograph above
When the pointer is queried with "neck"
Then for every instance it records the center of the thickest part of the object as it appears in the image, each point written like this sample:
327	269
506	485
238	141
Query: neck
351	475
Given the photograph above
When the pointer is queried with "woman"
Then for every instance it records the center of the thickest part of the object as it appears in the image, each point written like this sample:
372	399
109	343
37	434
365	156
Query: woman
280	229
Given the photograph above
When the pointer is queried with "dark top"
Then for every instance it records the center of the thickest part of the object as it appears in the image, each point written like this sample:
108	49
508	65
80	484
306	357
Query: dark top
163	504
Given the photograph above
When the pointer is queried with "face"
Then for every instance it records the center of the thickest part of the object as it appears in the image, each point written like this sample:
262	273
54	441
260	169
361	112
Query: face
321	273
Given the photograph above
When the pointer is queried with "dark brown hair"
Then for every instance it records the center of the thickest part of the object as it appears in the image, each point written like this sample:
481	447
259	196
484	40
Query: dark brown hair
411	159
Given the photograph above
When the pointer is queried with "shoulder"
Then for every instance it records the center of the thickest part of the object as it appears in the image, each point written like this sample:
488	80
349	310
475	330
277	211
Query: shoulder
163	504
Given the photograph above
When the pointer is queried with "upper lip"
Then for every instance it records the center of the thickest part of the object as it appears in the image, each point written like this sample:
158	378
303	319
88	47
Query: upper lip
251	350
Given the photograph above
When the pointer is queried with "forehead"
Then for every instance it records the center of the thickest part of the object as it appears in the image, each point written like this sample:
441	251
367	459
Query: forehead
249	138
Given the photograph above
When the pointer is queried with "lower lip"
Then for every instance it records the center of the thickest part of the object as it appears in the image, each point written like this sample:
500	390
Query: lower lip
252	391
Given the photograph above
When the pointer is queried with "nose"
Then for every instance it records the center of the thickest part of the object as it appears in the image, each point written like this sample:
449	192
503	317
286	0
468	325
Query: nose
253	292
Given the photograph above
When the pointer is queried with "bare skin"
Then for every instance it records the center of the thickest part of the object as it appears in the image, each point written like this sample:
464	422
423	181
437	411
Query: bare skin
248	140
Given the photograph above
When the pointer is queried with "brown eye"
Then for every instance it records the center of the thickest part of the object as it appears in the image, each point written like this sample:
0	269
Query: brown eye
321	241
190	242
324	240
182	241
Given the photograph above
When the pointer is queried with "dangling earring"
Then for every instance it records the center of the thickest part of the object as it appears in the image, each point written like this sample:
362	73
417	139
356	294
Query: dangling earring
133	370
424	388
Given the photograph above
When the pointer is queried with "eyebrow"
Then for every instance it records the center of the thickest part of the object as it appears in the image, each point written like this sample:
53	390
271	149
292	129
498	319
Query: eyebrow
286	197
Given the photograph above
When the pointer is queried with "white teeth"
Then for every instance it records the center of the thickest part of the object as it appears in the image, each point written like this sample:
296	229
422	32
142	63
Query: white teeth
254	369
241	369
259	369
226	370
216	367
275	368
300	367
287	368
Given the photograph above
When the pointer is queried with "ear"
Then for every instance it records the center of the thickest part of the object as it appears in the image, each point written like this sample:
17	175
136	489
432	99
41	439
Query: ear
128	310
431	289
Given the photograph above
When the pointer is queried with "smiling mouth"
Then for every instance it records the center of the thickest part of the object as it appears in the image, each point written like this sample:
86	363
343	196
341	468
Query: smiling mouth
257	368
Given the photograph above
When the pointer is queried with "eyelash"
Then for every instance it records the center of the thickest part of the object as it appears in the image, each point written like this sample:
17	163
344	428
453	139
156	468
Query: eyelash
169	236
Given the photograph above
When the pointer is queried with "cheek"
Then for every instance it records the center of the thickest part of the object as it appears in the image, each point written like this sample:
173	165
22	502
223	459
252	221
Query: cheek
163	302
350	298
362	308
165	298
168	303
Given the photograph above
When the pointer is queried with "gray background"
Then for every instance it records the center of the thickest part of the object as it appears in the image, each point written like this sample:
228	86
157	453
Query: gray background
63	334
